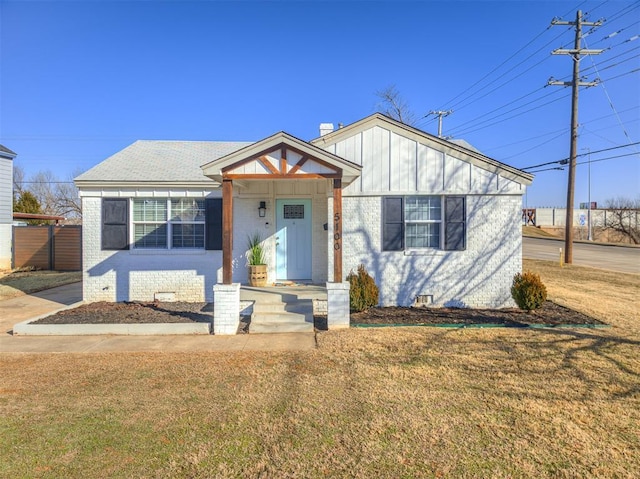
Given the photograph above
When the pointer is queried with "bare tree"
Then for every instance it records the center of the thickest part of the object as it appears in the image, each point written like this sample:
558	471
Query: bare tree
68	197
43	186
56	197
392	104
623	216
18	181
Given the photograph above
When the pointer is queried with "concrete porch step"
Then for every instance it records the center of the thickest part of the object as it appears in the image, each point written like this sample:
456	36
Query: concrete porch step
281	309
300	306
278	322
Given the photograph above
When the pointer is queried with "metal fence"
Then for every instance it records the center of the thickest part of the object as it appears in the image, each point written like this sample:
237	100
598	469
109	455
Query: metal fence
48	247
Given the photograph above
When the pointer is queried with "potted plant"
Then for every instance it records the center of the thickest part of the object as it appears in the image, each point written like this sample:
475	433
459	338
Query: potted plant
256	259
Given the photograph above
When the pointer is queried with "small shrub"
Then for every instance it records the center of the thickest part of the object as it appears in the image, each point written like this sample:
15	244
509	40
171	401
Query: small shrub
363	293
528	291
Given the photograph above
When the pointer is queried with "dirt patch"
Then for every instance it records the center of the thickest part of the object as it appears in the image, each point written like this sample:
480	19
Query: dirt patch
133	312
551	314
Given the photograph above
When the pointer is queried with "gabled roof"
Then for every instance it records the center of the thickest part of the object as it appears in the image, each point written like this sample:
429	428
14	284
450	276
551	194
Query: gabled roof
7	153
216	168
164	162
449	147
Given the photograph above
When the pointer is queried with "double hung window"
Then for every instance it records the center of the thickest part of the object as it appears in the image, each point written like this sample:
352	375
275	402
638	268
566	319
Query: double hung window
168	223
161	223
424	222
423	216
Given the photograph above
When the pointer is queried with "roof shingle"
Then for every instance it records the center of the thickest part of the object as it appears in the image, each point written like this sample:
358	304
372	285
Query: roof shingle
160	161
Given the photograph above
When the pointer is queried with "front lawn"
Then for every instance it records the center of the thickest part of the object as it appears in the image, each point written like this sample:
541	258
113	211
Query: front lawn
18	283
400	402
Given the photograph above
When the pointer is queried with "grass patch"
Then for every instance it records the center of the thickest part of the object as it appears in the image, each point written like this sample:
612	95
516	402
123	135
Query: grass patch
533	232
402	402
19	283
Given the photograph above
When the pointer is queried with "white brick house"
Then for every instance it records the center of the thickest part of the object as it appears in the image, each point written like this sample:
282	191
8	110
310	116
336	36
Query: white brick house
429	218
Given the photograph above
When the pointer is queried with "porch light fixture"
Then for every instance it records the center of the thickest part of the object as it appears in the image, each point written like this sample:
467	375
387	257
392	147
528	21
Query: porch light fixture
262	209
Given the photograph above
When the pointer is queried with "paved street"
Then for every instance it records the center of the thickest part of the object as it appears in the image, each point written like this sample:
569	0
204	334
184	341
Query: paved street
615	258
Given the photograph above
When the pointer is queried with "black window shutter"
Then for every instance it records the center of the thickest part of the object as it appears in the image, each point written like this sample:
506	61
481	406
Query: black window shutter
392	223
455	230
115	223
213	221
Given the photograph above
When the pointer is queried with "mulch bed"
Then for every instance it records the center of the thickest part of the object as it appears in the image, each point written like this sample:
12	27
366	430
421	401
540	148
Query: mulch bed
550	314
133	312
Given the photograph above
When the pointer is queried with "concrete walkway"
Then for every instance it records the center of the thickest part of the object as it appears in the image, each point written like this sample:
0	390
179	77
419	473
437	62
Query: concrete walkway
20	309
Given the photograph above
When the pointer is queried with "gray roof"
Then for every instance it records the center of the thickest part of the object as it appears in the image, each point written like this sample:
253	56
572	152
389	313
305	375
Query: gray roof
464	144
6	152
160	161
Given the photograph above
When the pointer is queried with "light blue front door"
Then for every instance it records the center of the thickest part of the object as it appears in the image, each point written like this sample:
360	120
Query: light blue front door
293	239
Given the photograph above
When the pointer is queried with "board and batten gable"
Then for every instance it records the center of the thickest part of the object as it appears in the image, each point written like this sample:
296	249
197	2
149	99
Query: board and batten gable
6	206
393	163
399	161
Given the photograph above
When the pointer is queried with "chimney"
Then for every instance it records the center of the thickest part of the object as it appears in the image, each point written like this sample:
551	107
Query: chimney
326	128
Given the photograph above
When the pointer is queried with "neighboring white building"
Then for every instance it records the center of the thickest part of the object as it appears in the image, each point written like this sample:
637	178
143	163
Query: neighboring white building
429	218
6	206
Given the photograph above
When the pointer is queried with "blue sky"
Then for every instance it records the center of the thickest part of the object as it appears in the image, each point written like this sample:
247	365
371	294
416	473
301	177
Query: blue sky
79	81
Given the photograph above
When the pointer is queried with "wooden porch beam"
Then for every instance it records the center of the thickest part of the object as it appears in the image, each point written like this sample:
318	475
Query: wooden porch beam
337	230
266	176
227	231
267	164
283	160
298	165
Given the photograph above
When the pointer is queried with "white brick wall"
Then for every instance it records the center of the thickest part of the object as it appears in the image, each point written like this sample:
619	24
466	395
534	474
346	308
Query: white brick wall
480	276
138	275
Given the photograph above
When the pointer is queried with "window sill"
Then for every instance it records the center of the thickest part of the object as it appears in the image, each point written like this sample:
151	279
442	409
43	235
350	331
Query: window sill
169	252
425	252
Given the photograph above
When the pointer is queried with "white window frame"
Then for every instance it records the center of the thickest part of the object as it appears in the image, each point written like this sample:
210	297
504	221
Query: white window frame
169	223
440	222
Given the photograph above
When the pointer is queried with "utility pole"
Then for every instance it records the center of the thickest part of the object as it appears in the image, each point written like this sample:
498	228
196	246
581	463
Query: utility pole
575	85
440	114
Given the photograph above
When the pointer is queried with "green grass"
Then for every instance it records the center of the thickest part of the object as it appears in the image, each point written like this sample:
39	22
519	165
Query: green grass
391	403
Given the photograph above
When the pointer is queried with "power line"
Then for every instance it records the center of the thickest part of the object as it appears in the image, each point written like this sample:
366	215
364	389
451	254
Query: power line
621	75
565	160
624	130
557	131
602	63
461	130
499	66
472	130
562	133
457	131
455	105
45	182
587	162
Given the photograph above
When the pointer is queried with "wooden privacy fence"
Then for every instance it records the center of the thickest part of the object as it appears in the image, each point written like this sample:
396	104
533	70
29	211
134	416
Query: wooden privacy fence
48	247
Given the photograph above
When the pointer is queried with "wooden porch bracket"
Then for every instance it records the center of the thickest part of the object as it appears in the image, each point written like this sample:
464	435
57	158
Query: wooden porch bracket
227	231
337	230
